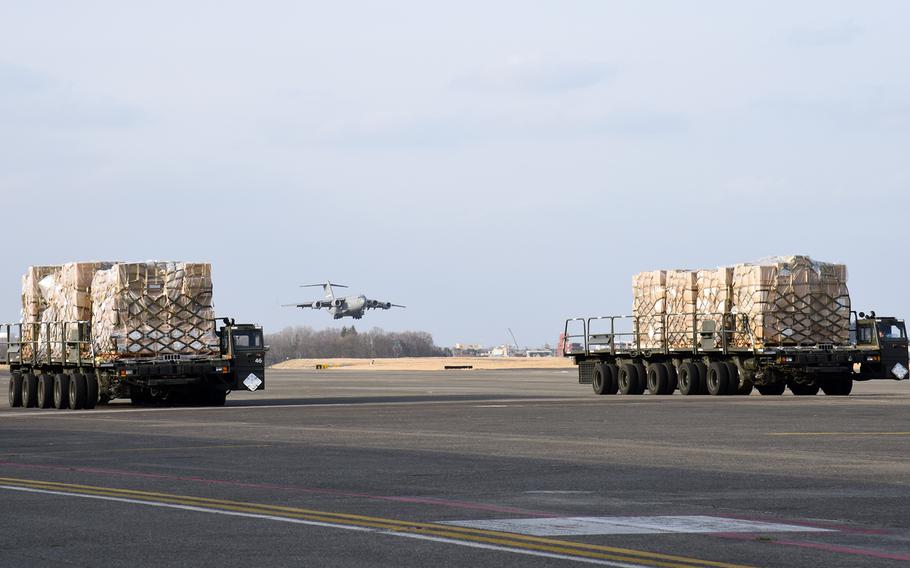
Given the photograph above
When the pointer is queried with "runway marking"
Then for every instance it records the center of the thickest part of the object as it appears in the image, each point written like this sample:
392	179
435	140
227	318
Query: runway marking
577	526
132	450
838	433
463	536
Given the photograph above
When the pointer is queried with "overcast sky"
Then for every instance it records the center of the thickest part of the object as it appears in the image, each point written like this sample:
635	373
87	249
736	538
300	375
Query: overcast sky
491	165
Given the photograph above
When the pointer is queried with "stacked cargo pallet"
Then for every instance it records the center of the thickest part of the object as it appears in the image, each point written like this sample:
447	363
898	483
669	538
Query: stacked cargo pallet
649	305
135	309
787	301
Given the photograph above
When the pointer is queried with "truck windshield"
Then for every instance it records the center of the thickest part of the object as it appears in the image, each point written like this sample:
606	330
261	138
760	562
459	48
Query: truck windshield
891	330
247	339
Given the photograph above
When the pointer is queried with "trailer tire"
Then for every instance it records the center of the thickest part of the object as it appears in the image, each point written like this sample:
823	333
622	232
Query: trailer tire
47	395
612	372
774	389
733	384
91	391
61	391
702	377
718	382
15	389
799	389
839	387
642	378
658	381
672	378
76	389
688	379
29	390
745	389
628	379
600	379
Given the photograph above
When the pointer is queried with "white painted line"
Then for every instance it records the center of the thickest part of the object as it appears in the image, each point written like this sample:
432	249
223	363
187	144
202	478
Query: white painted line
332	525
575	526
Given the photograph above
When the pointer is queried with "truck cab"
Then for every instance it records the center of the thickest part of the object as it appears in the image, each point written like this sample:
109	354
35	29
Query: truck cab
884	339
244	345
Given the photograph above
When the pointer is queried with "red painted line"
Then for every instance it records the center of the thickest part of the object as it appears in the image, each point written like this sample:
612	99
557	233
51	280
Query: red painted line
293	488
813	524
818	546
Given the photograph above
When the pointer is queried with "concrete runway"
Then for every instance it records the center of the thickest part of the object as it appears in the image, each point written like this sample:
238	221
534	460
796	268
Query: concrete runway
335	468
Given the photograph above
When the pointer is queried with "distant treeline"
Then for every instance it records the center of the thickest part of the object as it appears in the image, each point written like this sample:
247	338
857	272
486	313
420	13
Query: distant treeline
308	343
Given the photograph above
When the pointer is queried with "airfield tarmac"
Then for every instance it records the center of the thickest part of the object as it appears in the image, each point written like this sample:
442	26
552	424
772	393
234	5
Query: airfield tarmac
455	468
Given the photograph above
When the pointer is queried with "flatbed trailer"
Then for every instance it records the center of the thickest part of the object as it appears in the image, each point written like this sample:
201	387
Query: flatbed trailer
67	373
718	355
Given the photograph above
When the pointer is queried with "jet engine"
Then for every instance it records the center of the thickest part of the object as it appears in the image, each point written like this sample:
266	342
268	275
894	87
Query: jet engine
337	302
315	305
387	305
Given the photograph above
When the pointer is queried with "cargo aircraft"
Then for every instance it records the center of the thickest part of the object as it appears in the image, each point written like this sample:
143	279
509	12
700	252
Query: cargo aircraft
350	306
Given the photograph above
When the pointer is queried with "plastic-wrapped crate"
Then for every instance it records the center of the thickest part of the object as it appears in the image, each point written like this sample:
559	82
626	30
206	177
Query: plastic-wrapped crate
682	295
713	300
33	305
792	301
649	305
151	309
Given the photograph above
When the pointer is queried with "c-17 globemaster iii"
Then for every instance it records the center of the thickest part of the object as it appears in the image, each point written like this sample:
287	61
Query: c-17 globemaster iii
350	306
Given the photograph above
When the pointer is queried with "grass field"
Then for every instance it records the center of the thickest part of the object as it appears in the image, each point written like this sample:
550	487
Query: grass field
430	363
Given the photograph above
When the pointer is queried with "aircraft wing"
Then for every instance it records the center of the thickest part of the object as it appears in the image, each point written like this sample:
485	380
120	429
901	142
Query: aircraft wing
315	304
380	305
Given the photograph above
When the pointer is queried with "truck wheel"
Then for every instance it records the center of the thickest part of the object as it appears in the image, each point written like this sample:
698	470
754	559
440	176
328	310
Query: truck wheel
672	378
774	389
702	377
838	387
657	379
611	372
718	382
804	390
628	379
46	396
688	379
29	390
599	379
91	391
733	385
745	389
61	390
15	390
215	397
77	391
642	378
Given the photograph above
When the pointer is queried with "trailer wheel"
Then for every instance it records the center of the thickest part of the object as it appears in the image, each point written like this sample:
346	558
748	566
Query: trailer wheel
839	387
91	391
599	379
658	381
688	379
29	390
15	390
642	378
718	382
745	389
733	385
774	389
799	389
672	378
612	372
702	377
628	379
77	391
215	397
45	390
61	390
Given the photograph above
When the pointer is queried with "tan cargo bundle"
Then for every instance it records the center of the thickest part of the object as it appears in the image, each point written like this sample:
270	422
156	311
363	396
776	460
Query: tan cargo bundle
649	305
33	304
682	296
714	298
793	300
153	308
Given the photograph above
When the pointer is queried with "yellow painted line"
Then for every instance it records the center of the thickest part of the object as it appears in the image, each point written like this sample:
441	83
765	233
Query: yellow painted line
131	450
839	434
499	538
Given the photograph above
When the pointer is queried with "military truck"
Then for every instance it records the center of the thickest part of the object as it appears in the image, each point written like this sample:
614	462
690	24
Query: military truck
69	375
721	357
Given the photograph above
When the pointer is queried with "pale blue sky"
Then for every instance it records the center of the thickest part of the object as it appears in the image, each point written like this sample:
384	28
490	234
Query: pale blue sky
489	164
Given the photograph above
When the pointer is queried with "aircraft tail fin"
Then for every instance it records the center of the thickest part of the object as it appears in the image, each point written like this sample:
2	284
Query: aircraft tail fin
327	287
